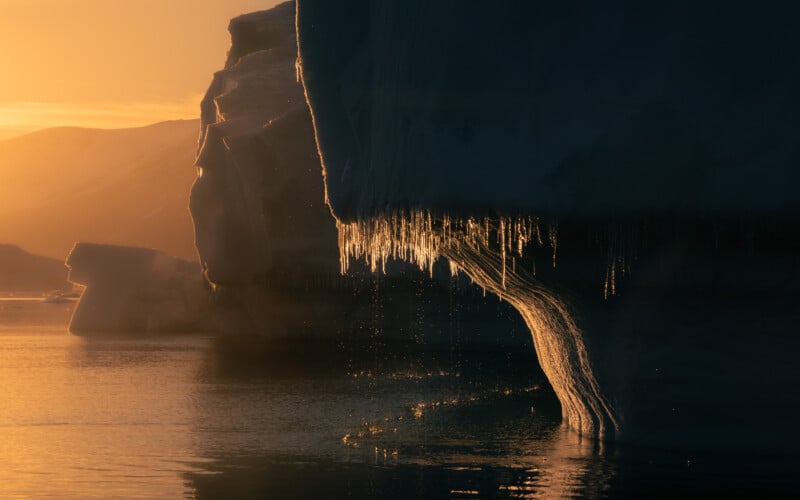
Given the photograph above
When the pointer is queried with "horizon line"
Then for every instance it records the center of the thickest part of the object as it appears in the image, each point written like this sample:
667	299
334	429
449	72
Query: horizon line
24	117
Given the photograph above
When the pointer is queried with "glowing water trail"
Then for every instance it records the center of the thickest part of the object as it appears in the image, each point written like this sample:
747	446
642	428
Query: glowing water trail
420	238
556	338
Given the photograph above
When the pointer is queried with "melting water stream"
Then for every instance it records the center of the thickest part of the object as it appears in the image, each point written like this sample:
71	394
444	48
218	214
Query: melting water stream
486	250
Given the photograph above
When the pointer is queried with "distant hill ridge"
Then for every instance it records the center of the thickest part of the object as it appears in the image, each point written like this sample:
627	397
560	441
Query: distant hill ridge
117	186
22	272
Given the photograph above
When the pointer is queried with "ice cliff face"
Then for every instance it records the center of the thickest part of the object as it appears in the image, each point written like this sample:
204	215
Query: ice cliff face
623	175
576	108
262	230
258	202
266	238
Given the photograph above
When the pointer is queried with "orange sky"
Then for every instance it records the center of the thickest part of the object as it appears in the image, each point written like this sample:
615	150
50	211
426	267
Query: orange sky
109	63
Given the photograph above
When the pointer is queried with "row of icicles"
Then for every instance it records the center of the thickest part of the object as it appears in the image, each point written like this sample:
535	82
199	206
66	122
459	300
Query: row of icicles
420	238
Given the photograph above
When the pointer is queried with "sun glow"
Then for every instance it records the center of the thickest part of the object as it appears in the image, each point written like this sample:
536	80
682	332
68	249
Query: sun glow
37	115
101	64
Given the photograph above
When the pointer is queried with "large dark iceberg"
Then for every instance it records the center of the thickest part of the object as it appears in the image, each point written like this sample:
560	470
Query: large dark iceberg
624	175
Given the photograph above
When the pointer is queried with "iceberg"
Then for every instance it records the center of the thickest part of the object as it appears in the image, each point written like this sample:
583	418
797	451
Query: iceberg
132	290
257	202
623	175
267	242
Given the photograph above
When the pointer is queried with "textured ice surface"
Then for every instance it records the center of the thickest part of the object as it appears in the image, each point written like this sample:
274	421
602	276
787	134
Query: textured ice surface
258	203
569	108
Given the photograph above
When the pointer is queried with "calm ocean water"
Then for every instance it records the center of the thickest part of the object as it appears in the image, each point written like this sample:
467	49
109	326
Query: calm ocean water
190	417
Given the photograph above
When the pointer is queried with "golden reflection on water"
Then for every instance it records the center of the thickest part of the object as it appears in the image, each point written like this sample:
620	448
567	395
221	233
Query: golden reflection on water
139	418
78	423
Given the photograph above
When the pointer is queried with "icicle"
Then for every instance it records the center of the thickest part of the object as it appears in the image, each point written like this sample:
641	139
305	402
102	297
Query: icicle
613	280
502	235
552	234
522	236
509	238
453	268
538	230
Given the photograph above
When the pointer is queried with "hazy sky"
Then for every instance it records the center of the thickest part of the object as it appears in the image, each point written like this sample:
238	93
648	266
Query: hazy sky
110	63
